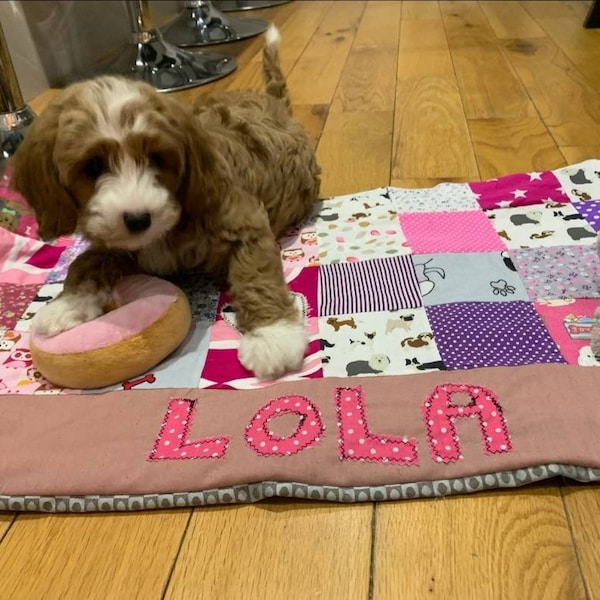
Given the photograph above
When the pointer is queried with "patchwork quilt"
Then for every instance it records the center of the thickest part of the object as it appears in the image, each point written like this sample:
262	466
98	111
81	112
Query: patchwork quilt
449	352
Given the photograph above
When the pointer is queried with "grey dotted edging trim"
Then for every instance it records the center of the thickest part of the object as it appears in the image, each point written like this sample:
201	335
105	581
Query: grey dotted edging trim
242	494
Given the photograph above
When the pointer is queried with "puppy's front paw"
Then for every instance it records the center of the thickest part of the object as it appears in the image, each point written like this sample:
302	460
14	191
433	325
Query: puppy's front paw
272	350
68	311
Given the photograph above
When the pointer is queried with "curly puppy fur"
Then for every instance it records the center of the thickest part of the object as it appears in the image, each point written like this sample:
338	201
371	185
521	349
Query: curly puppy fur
159	187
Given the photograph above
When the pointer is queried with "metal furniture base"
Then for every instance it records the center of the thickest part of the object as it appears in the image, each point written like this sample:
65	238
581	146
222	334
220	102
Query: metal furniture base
13	126
232	5
15	115
151	58
166	67
200	24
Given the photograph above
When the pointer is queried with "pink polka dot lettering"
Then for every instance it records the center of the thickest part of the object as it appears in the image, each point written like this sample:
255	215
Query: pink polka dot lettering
440	413
356	442
308	432
173	442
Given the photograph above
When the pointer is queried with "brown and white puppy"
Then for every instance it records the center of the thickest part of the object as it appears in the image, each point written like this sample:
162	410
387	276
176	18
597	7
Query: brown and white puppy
159	187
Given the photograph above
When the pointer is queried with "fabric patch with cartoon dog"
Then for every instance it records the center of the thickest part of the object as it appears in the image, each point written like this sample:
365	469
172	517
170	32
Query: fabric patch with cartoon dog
386	342
548	224
468	277
581	182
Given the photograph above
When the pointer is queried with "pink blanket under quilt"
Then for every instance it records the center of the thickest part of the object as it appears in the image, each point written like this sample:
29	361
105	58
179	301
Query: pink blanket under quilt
449	353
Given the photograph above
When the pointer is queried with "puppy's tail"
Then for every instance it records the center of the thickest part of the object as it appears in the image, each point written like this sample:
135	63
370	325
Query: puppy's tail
275	84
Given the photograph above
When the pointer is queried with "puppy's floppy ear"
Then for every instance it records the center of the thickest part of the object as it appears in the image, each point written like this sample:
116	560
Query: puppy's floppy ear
35	176
206	177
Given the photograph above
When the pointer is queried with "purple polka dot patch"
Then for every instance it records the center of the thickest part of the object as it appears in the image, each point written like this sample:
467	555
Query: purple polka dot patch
470	335
590	211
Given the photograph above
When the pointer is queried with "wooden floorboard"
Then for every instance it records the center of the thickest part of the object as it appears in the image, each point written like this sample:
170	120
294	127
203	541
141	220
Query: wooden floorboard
582	504
504	146
431	137
489	87
565	101
6	520
326	54
510	20
99	556
410	93
499	545
275	550
581	47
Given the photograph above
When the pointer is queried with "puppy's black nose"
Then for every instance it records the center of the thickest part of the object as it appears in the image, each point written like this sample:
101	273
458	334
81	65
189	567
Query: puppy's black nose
137	222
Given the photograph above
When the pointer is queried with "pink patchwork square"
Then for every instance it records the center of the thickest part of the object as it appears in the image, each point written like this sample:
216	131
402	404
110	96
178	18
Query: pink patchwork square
222	368
300	281
521	189
456	231
15	214
569	322
299	249
24	261
14	300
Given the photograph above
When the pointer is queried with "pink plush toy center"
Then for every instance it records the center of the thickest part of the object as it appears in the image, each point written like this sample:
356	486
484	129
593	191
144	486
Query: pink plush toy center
141	301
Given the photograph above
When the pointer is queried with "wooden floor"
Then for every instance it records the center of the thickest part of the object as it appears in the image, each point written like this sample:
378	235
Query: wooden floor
408	93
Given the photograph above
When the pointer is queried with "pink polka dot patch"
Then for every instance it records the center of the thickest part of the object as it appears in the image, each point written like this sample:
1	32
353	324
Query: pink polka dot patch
457	231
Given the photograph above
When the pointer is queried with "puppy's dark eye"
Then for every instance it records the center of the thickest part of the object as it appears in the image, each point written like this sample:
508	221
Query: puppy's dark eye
156	160
94	167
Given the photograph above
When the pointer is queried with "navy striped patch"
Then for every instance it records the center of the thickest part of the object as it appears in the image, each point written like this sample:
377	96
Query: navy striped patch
368	286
